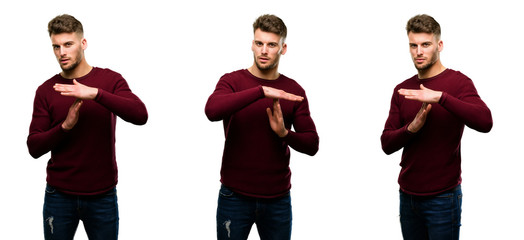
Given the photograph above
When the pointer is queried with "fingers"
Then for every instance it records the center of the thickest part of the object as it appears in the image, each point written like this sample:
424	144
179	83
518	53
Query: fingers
276	108
420	118
72	115
428	108
276	120
65	89
274	93
289	96
293	97
276	112
269	113
77	104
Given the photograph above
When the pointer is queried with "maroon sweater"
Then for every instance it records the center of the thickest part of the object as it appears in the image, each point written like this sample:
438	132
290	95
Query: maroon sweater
431	157
255	160
82	159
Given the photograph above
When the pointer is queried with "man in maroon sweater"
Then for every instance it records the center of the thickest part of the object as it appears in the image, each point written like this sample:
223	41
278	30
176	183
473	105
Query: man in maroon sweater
258	106
74	117
427	117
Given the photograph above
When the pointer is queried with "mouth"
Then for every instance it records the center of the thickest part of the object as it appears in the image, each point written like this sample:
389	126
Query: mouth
263	59
419	60
64	61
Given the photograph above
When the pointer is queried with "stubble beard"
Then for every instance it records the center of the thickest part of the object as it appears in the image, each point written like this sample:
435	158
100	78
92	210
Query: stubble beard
433	60
73	65
267	67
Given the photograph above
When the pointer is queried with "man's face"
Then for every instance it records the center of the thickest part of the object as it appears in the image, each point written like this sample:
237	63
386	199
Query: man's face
69	49
425	49
267	49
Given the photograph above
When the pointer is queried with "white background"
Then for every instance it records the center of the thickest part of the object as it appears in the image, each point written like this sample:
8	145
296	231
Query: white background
347	55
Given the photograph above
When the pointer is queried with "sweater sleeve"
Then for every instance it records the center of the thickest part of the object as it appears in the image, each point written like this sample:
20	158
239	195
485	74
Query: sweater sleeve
123	103
305	138
469	107
42	136
225	101
395	135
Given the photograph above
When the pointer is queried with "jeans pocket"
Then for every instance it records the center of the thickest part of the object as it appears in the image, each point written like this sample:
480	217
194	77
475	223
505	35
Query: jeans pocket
50	189
226	192
445	195
111	192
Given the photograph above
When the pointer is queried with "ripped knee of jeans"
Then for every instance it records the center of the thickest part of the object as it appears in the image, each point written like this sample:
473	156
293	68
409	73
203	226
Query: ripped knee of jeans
227	225
49	221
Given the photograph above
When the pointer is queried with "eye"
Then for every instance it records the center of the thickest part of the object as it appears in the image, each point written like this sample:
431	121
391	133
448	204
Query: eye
426	44
259	44
413	45
272	45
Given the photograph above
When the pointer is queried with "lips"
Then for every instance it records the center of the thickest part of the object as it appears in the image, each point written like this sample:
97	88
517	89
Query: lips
263	59
419	60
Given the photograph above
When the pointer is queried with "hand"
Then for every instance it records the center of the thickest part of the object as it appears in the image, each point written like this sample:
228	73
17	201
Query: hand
420	118
276	120
72	115
274	93
424	95
76	90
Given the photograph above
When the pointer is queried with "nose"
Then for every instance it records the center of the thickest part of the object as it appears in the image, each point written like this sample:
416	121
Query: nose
419	50
264	49
62	51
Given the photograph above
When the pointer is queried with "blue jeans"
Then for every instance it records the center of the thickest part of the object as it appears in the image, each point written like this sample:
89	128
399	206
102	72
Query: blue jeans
62	213
434	217
236	215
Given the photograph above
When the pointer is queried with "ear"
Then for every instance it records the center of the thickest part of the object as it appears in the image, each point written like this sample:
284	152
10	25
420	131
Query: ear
440	45
84	43
283	50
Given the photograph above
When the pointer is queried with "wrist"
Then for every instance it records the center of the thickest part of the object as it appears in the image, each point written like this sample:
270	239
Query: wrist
284	133
411	129
94	93
65	128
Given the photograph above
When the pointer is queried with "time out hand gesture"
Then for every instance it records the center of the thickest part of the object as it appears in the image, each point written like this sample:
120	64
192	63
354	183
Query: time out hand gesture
76	90
276	119
424	95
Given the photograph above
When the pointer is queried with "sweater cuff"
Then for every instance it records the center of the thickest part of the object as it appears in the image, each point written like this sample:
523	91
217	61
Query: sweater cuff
289	133
261	90
98	95
409	133
443	98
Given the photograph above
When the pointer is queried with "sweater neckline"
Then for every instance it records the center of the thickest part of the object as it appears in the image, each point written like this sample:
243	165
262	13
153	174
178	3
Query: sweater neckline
434	77
246	71
93	69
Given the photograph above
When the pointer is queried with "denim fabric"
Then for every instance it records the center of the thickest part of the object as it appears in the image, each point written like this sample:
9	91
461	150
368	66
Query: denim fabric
62	212
433	218
236	215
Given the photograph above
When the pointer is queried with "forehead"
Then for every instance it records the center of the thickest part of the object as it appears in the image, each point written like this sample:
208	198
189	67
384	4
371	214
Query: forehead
421	37
266	36
65	37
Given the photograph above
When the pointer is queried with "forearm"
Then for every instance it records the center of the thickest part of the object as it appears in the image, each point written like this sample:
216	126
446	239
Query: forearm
393	140
223	102
126	105
304	142
473	112
40	143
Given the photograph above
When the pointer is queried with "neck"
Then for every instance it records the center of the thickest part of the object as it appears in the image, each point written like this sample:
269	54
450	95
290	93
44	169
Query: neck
79	71
432	71
270	74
